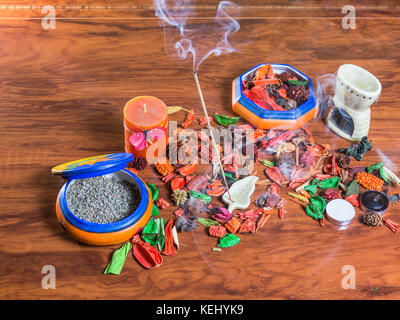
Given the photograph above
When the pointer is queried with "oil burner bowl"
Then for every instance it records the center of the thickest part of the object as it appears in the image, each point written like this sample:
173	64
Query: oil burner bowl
268	119
110	233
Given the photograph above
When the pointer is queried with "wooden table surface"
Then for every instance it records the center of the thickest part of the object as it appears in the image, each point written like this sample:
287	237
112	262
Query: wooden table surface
62	92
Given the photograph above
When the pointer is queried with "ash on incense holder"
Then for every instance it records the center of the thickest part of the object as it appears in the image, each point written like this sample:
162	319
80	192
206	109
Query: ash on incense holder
374	201
340	212
286	102
102	203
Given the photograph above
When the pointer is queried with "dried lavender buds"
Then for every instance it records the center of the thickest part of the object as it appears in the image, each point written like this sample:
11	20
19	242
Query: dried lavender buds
102	199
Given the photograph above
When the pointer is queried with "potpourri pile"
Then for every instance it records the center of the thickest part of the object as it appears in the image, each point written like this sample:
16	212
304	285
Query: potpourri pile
296	168
272	91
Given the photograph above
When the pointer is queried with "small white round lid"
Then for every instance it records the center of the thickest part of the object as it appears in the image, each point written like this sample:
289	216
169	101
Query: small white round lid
340	212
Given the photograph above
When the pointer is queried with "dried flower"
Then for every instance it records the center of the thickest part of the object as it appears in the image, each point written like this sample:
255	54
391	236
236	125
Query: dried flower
203	121
331	194
139	163
183	224
179	196
307	159
343	160
221	214
161	203
217	231
180	212
298	93
369	181
284	76
164	167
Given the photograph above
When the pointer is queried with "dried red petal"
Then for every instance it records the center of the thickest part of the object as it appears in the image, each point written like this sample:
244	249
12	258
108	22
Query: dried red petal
169	249
189	119
253	214
177	183
179	212
146	255
197	183
285	136
331	166
203	121
216	192
168	177
263	219
188	169
281	213
274	174
353	199
248	226
233	225
215	184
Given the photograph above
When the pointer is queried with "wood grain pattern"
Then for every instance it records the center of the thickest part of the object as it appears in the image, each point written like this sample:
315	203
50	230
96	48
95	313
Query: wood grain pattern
62	95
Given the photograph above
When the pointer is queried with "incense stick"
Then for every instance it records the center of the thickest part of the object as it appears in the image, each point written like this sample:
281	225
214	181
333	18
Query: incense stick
211	132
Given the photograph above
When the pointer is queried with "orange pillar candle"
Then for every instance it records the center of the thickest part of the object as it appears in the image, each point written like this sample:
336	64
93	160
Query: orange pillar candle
145	127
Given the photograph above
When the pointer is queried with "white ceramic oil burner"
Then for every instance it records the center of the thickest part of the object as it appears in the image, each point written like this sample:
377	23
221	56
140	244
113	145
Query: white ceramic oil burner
356	90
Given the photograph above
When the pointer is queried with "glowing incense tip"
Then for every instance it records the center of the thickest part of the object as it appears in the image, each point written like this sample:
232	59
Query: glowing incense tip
211	132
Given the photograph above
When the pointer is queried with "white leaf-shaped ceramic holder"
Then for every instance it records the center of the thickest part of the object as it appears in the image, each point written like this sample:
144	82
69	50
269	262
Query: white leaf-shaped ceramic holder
240	191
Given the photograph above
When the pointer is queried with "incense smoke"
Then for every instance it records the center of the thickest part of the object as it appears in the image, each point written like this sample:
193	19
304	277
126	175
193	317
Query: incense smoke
325	90
199	40
386	160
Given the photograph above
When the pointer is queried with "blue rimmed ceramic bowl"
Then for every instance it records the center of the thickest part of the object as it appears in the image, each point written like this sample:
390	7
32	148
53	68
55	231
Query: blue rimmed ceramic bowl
269	119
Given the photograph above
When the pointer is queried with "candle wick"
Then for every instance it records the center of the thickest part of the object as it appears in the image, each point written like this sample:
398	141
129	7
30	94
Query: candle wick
145	107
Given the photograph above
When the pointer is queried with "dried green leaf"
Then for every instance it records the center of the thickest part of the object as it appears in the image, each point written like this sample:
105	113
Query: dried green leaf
149	232
161	234
118	259
382	172
353	188
329	183
315	209
154	211
297	83
225	120
375	167
205	197
207	222
153	190
312	189
175	109
229	240
267	163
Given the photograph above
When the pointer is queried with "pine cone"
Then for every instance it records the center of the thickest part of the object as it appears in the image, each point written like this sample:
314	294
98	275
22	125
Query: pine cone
139	163
298	94
343	160
179	196
372	219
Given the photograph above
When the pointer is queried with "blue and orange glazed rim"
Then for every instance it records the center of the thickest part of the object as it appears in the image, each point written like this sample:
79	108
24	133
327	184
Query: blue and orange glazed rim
108	227
295	114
